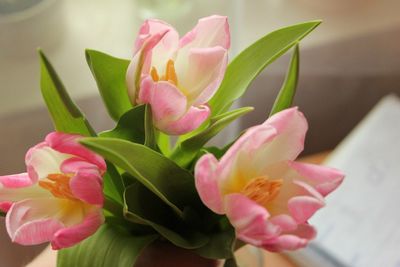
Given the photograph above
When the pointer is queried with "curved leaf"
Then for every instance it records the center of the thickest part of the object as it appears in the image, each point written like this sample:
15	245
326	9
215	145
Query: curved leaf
188	149
65	114
109	73
138	199
285	97
107	247
250	62
130	126
174	185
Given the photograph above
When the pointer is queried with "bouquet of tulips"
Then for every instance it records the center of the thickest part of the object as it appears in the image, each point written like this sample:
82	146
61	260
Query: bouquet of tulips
102	198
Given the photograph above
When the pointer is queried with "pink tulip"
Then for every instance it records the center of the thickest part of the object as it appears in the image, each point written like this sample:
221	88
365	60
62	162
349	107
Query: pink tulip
176	76
60	197
267	196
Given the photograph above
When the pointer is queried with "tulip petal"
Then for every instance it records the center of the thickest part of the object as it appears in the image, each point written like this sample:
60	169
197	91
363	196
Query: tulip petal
87	186
70	236
303	207
16	180
5	206
165	48
201	72
28	222
324	179
250	220
42	161
140	65
286	242
194	117
22	193
285	222
207	184
209	31
291	127
69	144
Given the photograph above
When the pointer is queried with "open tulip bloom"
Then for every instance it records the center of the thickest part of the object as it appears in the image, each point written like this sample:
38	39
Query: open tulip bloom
101	196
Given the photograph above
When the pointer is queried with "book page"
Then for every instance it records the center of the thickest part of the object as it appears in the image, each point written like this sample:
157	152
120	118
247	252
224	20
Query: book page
360	227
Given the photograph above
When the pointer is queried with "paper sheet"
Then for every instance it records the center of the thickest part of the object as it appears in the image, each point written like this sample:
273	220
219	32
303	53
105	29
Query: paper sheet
360	227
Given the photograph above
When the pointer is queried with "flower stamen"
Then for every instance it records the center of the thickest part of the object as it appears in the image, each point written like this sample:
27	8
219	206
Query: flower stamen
262	189
170	73
58	185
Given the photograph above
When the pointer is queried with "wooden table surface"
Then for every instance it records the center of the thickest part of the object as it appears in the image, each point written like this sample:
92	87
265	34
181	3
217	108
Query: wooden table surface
48	257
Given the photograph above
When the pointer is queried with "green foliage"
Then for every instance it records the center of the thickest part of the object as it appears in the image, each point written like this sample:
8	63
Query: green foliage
67	118
150	136
188	149
160	217
130	126
109	73
288	90
65	114
220	245
250	62
174	185
2	214
107	247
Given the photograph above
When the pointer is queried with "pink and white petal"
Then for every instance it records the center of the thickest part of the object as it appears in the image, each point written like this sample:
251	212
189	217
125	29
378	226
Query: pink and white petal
33	221
194	117
74	165
250	220
70	236
240	160
286	242
87	186
285	222
167	103
140	65
324	179
43	161
22	193
146	90
165	49
207	184
291	127
69	144
301	208
16	180
304	231
209	31
201	72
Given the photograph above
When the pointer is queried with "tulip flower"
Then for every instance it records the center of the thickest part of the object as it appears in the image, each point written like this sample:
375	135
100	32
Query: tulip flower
266	195
178	76
59	199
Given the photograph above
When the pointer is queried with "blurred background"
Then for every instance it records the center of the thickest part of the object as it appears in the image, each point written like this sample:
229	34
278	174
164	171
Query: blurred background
347	64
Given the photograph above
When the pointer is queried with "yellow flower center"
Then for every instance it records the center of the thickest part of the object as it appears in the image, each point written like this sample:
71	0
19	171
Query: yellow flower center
58	185
169	76
262	189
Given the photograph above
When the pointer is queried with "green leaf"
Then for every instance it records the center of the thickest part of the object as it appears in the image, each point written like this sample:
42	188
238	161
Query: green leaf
109	73
188	149
107	247
138	199
250	62
150	139
288	90
230	263
65	114
68	118
174	185
219	246
130	126
2	214
113	184
163	142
